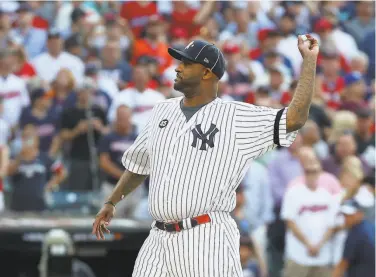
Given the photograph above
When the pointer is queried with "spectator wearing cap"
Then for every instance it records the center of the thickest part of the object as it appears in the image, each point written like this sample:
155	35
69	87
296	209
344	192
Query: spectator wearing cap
279	81
12	90
279	180
21	67
248	258
354	93
78	124
32	173
139	97
179	37
33	39
364	136
42	117
113	66
49	63
137	14
358	258
74	46
151	44
111	149
332	81
188	18
309	212
362	23
78	24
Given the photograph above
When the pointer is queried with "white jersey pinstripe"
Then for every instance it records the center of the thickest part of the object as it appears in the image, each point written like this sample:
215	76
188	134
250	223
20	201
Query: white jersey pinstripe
186	181
195	168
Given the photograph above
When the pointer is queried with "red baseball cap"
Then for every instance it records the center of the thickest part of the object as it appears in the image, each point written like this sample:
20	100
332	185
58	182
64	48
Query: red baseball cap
322	25
231	48
179	33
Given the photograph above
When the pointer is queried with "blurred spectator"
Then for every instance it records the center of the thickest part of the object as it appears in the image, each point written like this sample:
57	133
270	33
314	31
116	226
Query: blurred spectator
12	90
113	66
359	63
137	14
32	174
363	22
33	39
111	150
248	258
57	59
42	117
82	126
188	18
152	44
61	87
359	251
309	211
138	97
342	121
239	212
368	46
21	67
279	179
258	202
345	146
366	197
74	46
5	27
354	93
78	25
333	82
364	136
311	137
287	45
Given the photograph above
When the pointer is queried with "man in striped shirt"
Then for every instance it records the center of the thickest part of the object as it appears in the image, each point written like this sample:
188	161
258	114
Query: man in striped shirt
196	150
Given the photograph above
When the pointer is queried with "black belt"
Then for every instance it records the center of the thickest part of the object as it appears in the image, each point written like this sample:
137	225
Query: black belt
178	226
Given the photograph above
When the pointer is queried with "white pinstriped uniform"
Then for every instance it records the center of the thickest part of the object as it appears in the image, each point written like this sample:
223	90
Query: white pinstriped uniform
187	180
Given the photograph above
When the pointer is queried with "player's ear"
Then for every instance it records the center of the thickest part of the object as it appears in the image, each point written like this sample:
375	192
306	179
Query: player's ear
207	74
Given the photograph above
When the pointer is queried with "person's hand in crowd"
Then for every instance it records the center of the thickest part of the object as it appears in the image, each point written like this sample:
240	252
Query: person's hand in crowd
102	220
308	48
313	250
82	127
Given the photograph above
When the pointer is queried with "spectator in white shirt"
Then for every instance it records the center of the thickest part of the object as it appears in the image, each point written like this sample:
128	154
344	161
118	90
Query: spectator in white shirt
138	97
48	64
12	90
309	211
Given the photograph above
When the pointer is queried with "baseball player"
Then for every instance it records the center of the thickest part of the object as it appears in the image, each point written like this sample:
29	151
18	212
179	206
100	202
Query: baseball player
196	150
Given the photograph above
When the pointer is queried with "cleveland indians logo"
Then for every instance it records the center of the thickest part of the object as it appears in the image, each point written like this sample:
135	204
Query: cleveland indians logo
206	138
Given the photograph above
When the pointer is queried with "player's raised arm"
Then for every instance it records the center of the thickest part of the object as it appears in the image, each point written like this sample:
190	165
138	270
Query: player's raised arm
298	109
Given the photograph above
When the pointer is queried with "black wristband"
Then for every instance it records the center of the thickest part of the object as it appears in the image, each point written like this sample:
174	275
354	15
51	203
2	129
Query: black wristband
111	203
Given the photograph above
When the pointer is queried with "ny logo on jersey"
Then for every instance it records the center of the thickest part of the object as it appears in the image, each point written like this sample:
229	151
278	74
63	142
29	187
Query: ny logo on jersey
190	45
206	138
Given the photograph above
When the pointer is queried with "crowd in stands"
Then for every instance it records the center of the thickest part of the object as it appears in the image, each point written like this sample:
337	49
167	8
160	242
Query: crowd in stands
78	81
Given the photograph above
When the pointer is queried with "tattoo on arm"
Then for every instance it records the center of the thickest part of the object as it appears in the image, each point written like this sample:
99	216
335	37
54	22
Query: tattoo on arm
298	109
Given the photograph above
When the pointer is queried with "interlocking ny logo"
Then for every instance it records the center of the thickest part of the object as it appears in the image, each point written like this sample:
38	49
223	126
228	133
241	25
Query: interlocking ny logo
206	138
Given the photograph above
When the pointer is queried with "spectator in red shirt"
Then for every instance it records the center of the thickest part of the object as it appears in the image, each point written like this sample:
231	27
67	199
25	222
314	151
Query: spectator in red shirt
183	16
333	82
21	67
152	44
137	13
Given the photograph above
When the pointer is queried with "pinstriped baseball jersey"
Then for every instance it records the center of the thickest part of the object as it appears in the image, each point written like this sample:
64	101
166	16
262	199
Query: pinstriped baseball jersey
195	166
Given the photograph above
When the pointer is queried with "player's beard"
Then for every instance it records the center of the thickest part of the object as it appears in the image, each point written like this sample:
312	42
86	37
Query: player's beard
189	87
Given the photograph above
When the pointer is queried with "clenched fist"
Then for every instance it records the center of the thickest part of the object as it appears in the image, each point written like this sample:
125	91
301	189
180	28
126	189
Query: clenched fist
308	46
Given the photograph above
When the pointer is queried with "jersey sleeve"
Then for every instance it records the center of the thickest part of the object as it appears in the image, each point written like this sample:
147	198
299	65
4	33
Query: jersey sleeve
136	159
260	129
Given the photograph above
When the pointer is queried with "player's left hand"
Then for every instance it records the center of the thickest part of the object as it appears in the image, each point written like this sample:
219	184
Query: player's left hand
308	47
102	220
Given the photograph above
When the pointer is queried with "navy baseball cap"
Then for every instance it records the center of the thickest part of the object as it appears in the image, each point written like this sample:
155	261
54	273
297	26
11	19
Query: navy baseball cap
202	52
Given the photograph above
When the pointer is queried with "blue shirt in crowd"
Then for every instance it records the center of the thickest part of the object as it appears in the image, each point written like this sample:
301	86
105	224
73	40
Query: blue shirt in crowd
359	250
115	145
